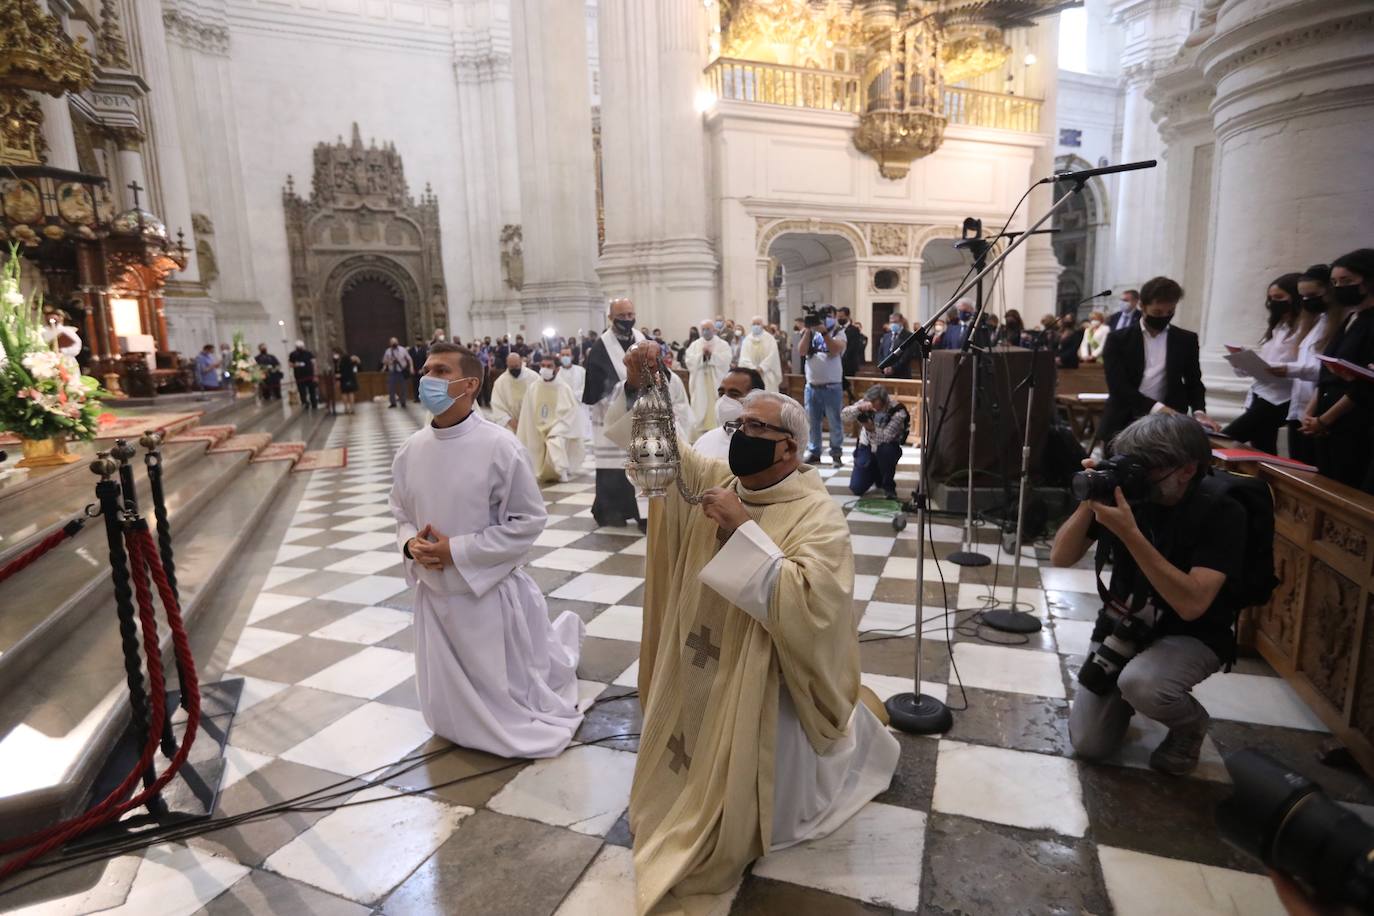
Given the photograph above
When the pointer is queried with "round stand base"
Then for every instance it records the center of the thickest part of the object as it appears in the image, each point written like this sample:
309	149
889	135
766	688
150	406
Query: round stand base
968	558
1009	621
918	714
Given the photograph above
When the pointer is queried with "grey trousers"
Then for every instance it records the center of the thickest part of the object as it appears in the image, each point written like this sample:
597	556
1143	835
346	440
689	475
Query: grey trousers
1157	683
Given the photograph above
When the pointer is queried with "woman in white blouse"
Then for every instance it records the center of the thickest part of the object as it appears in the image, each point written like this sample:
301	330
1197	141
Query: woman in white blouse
1305	370
1266	405
1094	338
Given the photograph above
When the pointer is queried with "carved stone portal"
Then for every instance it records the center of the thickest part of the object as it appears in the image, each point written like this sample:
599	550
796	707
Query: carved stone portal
360	222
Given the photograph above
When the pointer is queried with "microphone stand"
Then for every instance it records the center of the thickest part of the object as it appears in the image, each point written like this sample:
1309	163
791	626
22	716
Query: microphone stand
980	247
916	712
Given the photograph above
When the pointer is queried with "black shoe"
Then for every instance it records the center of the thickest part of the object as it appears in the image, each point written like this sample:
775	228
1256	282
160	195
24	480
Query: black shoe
813	459
391	405
837	461
643	525
892	495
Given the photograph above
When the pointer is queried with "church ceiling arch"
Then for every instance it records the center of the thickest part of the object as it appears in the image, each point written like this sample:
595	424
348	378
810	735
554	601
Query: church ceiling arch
360	222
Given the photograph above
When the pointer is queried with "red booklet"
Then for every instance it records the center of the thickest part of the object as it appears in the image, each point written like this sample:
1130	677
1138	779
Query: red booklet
1237	455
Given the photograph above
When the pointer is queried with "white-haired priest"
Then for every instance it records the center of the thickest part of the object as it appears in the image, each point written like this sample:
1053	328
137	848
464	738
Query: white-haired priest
755	737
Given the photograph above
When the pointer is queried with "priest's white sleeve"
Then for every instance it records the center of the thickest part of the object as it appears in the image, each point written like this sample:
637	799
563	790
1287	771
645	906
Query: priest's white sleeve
405	525
485	557
745	570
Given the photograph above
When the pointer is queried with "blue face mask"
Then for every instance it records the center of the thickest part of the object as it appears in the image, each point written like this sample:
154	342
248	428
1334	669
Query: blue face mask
829	323
720	325
434	395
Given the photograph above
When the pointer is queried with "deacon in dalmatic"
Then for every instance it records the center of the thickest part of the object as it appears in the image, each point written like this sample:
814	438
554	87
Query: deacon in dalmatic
615	503
551	425
492	672
755	734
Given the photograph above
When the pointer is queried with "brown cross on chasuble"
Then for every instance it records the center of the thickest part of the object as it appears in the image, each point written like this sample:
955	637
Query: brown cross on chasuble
677	746
700	643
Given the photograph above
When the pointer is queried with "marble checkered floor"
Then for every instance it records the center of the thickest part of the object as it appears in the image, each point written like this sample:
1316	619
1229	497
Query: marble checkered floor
994	817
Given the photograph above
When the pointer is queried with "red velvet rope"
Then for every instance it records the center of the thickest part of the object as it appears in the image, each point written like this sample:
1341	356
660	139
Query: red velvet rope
144	559
32	555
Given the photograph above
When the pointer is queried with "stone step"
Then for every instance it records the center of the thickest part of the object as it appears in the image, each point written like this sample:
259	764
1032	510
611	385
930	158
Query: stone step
62	718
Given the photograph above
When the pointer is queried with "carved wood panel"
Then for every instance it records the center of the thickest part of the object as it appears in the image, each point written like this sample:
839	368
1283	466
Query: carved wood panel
1362	712
1333	605
1278	619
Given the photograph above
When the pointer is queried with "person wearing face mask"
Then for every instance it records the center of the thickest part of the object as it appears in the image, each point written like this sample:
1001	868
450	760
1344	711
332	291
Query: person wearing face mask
346	371
760	351
821	350
1129	312
492	673
757	735
551	425
706	361
303	371
883	426
715	443
962	327
271	374
1266	404
398	367
855	344
418	353
1152	366
1340	414
1171	557
1094	338
1305	369
897	333
508	392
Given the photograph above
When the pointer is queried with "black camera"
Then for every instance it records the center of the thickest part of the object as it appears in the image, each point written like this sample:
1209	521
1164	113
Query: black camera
1285	820
865	416
811	316
1130	633
1100	483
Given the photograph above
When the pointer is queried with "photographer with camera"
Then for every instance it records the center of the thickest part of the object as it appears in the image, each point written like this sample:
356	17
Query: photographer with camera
883	424
1176	537
821	348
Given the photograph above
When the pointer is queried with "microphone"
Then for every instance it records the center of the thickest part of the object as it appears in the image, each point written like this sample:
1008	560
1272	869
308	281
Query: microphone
1085	174
1105	292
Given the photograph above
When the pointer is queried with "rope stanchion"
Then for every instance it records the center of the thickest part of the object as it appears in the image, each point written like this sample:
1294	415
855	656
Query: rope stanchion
152	459
43	547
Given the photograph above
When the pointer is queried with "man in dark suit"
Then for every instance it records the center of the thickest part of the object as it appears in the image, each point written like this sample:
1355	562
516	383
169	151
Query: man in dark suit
1129	313
1152	366
419	352
855	344
961	326
896	334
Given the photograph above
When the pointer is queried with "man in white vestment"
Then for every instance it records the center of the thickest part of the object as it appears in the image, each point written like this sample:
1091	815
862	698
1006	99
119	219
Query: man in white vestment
760	351
551	425
508	392
492	673
757	734
738	382
575	377
706	361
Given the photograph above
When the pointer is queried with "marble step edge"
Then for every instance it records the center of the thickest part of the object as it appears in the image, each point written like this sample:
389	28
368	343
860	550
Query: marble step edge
88	553
67	782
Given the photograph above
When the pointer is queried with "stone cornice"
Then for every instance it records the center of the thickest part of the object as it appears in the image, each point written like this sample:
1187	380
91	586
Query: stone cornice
1277	31
202	35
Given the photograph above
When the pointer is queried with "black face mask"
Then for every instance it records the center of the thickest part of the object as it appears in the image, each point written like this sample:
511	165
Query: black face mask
1157	322
750	454
1278	306
1314	304
1347	295
625	326
514	373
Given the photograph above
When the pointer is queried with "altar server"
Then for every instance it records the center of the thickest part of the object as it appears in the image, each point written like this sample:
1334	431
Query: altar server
551	425
492	672
738	382
760	351
508	391
706	361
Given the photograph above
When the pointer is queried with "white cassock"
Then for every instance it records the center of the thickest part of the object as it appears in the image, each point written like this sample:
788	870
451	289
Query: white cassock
714	443
706	362
551	430
575	377
507	393
492	672
760	351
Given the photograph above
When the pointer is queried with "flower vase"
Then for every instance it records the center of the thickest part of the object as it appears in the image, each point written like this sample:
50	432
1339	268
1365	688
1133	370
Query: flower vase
244	389
46	453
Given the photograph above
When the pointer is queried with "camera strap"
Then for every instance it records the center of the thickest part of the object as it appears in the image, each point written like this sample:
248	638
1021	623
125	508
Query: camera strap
1139	596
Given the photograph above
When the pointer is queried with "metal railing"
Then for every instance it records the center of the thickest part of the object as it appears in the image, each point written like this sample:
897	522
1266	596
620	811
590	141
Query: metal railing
836	90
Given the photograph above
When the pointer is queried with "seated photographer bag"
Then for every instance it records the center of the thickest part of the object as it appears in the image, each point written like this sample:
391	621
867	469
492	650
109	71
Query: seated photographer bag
1175	535
883	424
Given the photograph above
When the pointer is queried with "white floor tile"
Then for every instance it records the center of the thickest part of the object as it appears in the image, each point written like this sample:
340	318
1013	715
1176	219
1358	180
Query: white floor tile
1031	600
905	568
570	487
175	880
368	674
1072	636
269	604
555	538
367	562
1258	699
875	857
309	505
570	559
309	520
368	540
578	499
369	737
629	677
368	626
872	546
864	586
597	587
359	499
288	552
255	690
363	852
619	621
367	590
239	762
587	692
365	510
371	487
1034	791
370	523
295	534
1136	882
280	575
607	888
640	547
1055	579
1029	671
584	789
255	641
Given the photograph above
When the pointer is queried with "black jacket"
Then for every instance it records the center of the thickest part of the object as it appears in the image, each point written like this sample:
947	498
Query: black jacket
854	344
1123	361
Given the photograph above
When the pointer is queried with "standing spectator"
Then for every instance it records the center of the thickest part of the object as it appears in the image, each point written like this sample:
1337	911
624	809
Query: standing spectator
693	335
1129	313
1013	329
1094	338
418	353
1266	404
1070	340
821	351
520	347
208	375
271	374
303	371
1339	415
226	361
962	328
398	367
1048	335
855	345
346	371
896	335
1152	366
436	337
937	333
1305	368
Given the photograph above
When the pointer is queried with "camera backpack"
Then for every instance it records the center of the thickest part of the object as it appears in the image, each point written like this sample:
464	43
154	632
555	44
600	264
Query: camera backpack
1257	581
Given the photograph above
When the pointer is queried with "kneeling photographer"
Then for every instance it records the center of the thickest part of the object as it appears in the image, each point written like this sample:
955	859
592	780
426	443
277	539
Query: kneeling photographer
883	424
1176	538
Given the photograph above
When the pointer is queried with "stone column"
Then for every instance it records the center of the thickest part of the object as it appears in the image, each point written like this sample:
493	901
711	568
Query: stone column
1042	267
557	179
57	131
1294	123
658	248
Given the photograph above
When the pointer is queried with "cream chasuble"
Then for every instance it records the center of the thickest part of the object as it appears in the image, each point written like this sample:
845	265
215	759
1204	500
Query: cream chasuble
507	393
551	430
706	362
760	351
